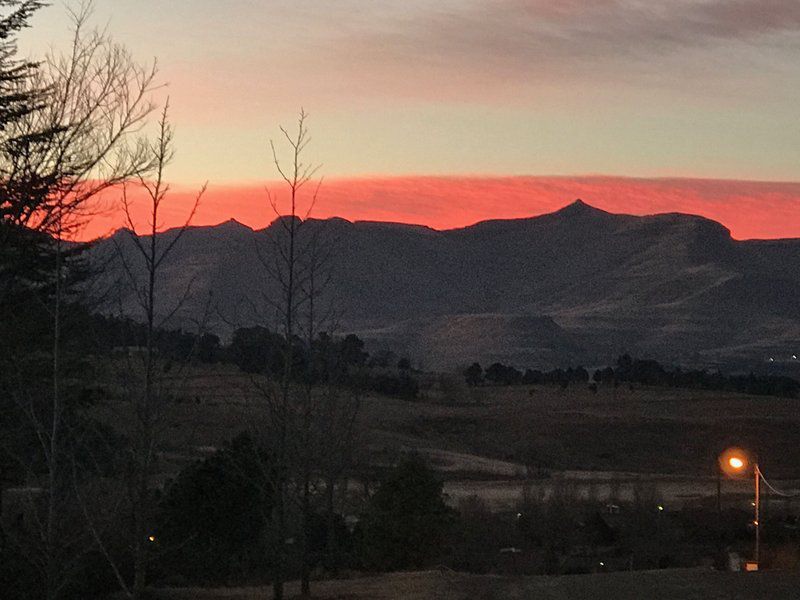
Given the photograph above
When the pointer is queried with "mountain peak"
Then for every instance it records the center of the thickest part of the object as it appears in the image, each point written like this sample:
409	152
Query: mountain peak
579	208
232	225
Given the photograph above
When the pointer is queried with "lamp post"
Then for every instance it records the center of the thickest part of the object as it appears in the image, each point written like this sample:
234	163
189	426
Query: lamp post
757	521
734	462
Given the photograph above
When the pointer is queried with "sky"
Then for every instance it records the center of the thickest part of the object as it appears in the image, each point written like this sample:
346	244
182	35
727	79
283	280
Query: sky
446	112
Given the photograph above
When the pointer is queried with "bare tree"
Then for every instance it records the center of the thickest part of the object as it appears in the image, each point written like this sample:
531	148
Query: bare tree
282	266
308	420
144	385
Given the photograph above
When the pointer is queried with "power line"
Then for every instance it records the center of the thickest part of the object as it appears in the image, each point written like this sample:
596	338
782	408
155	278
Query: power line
774	490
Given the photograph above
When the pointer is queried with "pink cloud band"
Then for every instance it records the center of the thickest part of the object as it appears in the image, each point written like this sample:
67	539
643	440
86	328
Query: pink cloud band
748	209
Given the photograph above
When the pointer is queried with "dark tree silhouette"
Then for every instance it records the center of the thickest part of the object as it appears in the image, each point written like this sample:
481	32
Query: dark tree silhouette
474	374
407	521
66	135
211	520
503	375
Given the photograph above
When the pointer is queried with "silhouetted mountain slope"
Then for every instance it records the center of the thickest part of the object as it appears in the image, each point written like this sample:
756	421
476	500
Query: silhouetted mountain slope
579	284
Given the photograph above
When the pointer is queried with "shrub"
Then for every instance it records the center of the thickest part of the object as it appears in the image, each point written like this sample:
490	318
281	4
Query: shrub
406	522
212	520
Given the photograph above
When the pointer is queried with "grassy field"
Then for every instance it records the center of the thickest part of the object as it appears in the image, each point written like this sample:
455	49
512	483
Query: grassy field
675	584
481	438
641	430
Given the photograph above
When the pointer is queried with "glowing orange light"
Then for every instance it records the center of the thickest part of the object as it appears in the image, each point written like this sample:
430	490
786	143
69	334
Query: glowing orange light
734	462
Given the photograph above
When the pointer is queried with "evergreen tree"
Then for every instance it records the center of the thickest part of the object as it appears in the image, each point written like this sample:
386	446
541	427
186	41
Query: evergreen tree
212	518
407	521
20	191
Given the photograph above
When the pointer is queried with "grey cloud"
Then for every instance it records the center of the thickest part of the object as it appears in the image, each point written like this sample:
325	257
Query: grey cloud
514	34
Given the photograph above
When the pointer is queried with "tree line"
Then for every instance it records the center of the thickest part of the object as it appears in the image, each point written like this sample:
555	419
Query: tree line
258	350
499	374
647	372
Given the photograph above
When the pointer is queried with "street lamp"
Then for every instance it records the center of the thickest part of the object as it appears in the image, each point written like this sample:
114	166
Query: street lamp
735	462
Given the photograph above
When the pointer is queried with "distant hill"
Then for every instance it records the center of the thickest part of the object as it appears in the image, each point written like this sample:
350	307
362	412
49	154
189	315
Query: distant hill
451	340
576	285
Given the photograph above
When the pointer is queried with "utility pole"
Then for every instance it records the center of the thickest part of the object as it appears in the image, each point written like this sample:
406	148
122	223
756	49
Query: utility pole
757	521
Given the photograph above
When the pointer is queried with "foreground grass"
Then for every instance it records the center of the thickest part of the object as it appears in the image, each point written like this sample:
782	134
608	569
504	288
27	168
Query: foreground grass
674	584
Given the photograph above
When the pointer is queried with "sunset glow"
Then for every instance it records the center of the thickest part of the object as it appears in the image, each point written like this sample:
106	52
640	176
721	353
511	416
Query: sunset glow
748	209
465	109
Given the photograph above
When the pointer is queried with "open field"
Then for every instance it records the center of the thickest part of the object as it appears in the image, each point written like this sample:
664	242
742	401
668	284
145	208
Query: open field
674	584
603	444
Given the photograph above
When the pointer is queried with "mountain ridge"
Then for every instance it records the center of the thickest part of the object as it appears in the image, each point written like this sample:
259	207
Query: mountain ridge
577	207
672	286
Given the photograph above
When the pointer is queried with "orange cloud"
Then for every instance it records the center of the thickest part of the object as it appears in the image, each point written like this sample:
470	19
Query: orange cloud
748	209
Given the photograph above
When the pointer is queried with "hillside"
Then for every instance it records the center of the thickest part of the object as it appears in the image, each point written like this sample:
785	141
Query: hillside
577	285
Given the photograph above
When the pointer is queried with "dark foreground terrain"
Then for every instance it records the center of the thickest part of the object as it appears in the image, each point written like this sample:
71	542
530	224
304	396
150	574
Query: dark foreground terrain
677	584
